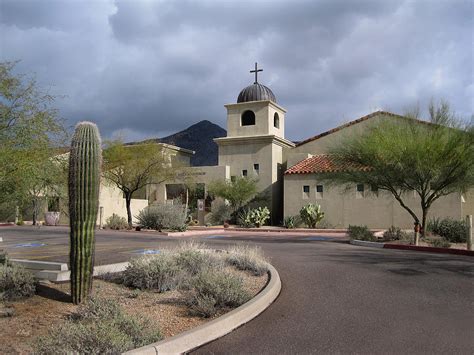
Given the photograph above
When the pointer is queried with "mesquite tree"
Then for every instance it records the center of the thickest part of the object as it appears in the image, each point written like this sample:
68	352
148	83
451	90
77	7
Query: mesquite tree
403	155
84	178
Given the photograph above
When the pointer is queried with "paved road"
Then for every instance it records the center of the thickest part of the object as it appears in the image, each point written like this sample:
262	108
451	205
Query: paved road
336	298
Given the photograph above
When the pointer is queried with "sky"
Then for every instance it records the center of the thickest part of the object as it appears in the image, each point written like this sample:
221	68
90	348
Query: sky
144	69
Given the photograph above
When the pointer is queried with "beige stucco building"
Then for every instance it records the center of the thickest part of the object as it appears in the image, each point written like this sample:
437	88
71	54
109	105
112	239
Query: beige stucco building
255	146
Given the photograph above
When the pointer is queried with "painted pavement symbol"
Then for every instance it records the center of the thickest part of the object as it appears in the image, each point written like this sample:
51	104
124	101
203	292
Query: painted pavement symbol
147	251
30	245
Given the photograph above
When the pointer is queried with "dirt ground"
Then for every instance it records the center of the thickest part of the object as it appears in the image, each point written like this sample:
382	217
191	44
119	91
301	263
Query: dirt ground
34	316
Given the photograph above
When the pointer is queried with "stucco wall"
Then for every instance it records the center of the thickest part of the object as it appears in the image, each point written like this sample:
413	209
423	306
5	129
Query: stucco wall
111	200
264	112
342	208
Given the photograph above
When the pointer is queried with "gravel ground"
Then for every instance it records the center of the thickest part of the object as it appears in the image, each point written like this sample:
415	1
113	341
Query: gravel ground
35	315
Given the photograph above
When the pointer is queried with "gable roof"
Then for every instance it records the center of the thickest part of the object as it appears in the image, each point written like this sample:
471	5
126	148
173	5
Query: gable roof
351	123
323	163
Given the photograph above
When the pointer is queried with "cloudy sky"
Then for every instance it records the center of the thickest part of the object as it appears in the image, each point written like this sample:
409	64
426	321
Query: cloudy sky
150	68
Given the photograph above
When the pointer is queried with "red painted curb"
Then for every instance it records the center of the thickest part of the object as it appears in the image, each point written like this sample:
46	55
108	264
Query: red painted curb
6	224
429	249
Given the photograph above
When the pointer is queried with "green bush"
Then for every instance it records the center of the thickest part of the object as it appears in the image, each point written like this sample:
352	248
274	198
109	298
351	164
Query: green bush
157	272
220	213
311	215
163	216
15	282
244	257
290	222
395	233
244	218
99	327
361	233
116	222
212	291
255	217
439	242
452	230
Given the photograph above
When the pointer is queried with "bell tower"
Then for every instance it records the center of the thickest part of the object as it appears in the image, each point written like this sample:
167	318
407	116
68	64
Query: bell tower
255	142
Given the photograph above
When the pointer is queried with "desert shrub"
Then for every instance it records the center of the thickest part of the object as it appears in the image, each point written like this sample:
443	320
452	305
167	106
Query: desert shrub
255	217
360	233
244	218
163	216
116	222
212	291
99	327
158	272
193	259
244	257
439	242
15	282
220	213
452	230
395	233
290	222
311	215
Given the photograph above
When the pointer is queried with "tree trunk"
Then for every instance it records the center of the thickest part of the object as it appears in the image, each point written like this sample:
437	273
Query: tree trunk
35	211
423	221
128	198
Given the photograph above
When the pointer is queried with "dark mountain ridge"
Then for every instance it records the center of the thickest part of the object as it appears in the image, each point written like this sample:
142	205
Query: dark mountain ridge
198	137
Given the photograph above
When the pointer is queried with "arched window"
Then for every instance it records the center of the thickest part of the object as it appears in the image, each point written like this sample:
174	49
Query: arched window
276	120
248	118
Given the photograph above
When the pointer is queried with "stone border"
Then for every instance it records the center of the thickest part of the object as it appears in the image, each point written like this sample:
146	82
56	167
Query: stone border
219	327
380	245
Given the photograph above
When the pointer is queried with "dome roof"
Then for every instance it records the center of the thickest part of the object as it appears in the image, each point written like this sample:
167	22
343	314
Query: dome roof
256	92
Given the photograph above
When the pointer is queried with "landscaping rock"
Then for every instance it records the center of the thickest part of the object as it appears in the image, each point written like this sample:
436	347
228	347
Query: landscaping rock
7	312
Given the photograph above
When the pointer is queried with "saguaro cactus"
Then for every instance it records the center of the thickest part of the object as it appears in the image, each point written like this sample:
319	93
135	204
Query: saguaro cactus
84	178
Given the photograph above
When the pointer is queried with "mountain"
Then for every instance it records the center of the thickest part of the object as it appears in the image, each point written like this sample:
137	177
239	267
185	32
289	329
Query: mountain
198	137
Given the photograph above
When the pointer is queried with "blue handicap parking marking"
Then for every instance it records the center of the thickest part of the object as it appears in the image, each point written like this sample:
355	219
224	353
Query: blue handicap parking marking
319	238
30	245
216	237
147	251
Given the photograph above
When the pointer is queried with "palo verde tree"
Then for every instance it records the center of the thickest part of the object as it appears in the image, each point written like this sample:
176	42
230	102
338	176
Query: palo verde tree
237	191
433	159
85	160
30	134
132	167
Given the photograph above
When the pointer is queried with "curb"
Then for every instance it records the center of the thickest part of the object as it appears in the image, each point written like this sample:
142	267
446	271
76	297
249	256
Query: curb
219	327
430	249
378	245
363	243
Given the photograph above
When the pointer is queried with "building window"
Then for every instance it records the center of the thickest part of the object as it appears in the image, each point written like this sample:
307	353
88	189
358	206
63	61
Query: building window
305	192
360	191
319	191
276	120
244	172
248	118
232	178
256	168
374	189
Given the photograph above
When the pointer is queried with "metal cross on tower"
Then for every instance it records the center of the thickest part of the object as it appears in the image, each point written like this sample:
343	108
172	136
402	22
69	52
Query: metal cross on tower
256	71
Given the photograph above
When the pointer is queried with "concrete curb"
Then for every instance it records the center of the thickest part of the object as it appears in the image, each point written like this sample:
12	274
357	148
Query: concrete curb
219	327
429	249
363	243
379	245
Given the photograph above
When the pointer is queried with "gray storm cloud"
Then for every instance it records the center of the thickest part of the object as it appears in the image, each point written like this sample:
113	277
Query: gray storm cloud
154	67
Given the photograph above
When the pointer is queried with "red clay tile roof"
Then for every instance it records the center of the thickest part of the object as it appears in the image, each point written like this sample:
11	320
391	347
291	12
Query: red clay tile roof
322	163
364	118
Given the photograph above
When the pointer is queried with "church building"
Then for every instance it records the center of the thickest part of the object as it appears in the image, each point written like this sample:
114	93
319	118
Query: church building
255	146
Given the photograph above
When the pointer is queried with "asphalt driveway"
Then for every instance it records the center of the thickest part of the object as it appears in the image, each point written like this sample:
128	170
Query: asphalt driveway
336	298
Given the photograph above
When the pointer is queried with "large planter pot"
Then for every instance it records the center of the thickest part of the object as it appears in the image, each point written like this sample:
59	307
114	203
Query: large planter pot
52	218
